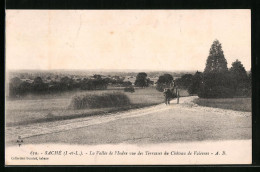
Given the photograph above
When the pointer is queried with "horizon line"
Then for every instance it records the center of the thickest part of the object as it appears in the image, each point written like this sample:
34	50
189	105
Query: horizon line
106	70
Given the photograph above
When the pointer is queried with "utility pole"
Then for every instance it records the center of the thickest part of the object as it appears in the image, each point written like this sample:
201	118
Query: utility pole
178	96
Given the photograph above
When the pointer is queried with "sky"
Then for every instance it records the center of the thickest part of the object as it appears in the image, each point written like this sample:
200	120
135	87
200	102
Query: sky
124	39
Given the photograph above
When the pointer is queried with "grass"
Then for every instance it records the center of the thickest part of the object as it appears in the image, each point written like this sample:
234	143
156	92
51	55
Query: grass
237	104
34	109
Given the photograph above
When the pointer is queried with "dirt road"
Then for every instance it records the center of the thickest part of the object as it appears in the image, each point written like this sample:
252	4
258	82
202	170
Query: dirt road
157	124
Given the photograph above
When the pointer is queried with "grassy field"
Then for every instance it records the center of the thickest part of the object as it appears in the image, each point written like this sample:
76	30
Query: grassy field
33	109
238	104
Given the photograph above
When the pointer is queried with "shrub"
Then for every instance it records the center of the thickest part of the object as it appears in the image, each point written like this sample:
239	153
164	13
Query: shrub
99	100
129	89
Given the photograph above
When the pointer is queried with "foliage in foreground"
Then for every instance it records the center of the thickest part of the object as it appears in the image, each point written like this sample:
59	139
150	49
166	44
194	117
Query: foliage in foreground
101	100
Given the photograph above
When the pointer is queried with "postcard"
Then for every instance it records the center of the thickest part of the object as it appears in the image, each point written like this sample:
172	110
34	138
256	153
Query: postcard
128	87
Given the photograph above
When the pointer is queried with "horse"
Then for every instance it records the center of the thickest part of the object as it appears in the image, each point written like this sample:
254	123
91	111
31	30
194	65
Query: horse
170	93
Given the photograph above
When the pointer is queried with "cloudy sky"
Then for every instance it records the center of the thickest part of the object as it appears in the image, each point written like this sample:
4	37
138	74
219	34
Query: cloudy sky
126	39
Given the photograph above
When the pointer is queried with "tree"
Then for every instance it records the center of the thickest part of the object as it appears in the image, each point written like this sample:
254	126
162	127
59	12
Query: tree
97	76
184	81
195	83
239	75
24	88
165	79
14	86
239	78
15	81
216	81
141	80
37	80
66	83
216	61
39	86
86	84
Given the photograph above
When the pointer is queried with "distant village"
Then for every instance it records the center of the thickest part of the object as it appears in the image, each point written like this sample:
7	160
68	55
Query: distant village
22	83
48	77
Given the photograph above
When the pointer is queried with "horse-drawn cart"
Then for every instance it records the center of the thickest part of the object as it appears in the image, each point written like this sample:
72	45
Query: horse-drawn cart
171	93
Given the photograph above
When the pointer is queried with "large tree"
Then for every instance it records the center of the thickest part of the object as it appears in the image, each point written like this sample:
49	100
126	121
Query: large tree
141	80
216	61
216	80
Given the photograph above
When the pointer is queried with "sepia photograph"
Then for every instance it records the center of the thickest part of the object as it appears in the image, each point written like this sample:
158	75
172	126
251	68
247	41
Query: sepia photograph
128	87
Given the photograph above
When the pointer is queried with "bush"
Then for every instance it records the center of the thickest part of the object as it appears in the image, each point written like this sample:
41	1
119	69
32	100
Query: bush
129	89
100	100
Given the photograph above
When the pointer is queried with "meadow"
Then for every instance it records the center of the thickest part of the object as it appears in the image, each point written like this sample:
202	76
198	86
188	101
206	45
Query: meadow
237	104
44	108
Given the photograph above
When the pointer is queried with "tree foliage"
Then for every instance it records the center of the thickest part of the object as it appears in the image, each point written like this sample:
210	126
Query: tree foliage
239	75
216	61
216	80
195	83
184	81
164	81
241	82
216	85
141	80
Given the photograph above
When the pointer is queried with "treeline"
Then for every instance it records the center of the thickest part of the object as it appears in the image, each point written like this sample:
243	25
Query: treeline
18	87
217	81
